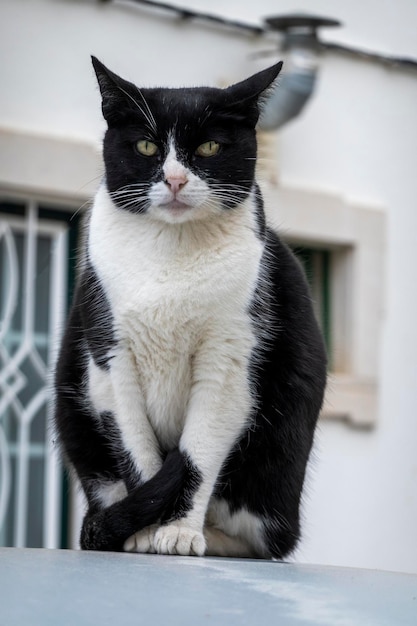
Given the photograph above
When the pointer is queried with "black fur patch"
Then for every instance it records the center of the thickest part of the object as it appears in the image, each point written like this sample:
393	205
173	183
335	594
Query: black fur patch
84	445
265	472
96	317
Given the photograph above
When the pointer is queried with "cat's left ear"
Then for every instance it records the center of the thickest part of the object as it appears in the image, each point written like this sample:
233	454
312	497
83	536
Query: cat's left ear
247	93
117	94
254	86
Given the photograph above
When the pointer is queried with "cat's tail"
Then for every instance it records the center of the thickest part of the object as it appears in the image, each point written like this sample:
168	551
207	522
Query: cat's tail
108	529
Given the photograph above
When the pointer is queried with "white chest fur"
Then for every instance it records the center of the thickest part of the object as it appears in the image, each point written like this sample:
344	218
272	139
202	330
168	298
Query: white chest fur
170	286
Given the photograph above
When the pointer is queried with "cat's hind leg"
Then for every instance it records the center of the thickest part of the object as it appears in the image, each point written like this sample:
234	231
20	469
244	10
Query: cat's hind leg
218	543
233	532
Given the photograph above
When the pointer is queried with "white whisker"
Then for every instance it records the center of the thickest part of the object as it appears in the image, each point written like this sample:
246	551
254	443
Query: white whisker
149	110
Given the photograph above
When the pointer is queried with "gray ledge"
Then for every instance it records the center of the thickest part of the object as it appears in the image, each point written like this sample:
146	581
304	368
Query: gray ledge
50	587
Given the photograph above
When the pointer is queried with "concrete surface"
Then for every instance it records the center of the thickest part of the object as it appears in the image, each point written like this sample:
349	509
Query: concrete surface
50	587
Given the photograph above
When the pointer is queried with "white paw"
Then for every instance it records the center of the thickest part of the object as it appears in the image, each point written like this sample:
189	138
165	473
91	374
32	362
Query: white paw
143	541
178	538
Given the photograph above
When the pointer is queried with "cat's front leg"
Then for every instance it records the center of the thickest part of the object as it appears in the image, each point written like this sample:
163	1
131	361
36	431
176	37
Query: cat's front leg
218	411
138	436
180	537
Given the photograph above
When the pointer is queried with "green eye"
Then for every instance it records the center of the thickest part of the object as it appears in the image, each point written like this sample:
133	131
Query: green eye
208	149
146	148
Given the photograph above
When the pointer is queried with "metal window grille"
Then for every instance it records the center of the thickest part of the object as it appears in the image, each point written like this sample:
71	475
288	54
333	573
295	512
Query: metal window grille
33	297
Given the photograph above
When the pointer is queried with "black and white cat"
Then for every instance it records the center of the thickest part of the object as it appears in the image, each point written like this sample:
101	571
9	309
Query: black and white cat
192	369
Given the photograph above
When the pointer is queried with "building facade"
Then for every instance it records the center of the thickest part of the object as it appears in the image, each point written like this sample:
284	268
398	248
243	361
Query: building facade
339	183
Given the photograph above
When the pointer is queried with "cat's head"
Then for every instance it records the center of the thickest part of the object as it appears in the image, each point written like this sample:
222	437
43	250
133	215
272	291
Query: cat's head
180	154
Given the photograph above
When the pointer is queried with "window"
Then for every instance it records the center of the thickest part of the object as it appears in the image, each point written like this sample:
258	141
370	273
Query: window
317	267
34	275
342	248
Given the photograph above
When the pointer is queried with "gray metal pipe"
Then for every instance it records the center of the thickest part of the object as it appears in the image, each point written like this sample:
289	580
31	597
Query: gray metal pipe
295	85
287	99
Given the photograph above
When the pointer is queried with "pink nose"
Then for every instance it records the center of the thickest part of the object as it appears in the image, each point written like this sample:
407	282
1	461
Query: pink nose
176	183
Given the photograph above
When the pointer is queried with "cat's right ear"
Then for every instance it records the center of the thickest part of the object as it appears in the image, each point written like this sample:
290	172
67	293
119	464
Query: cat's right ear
116	93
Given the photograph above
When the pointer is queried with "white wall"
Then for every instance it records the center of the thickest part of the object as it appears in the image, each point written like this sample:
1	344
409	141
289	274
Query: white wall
357	138
385	26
